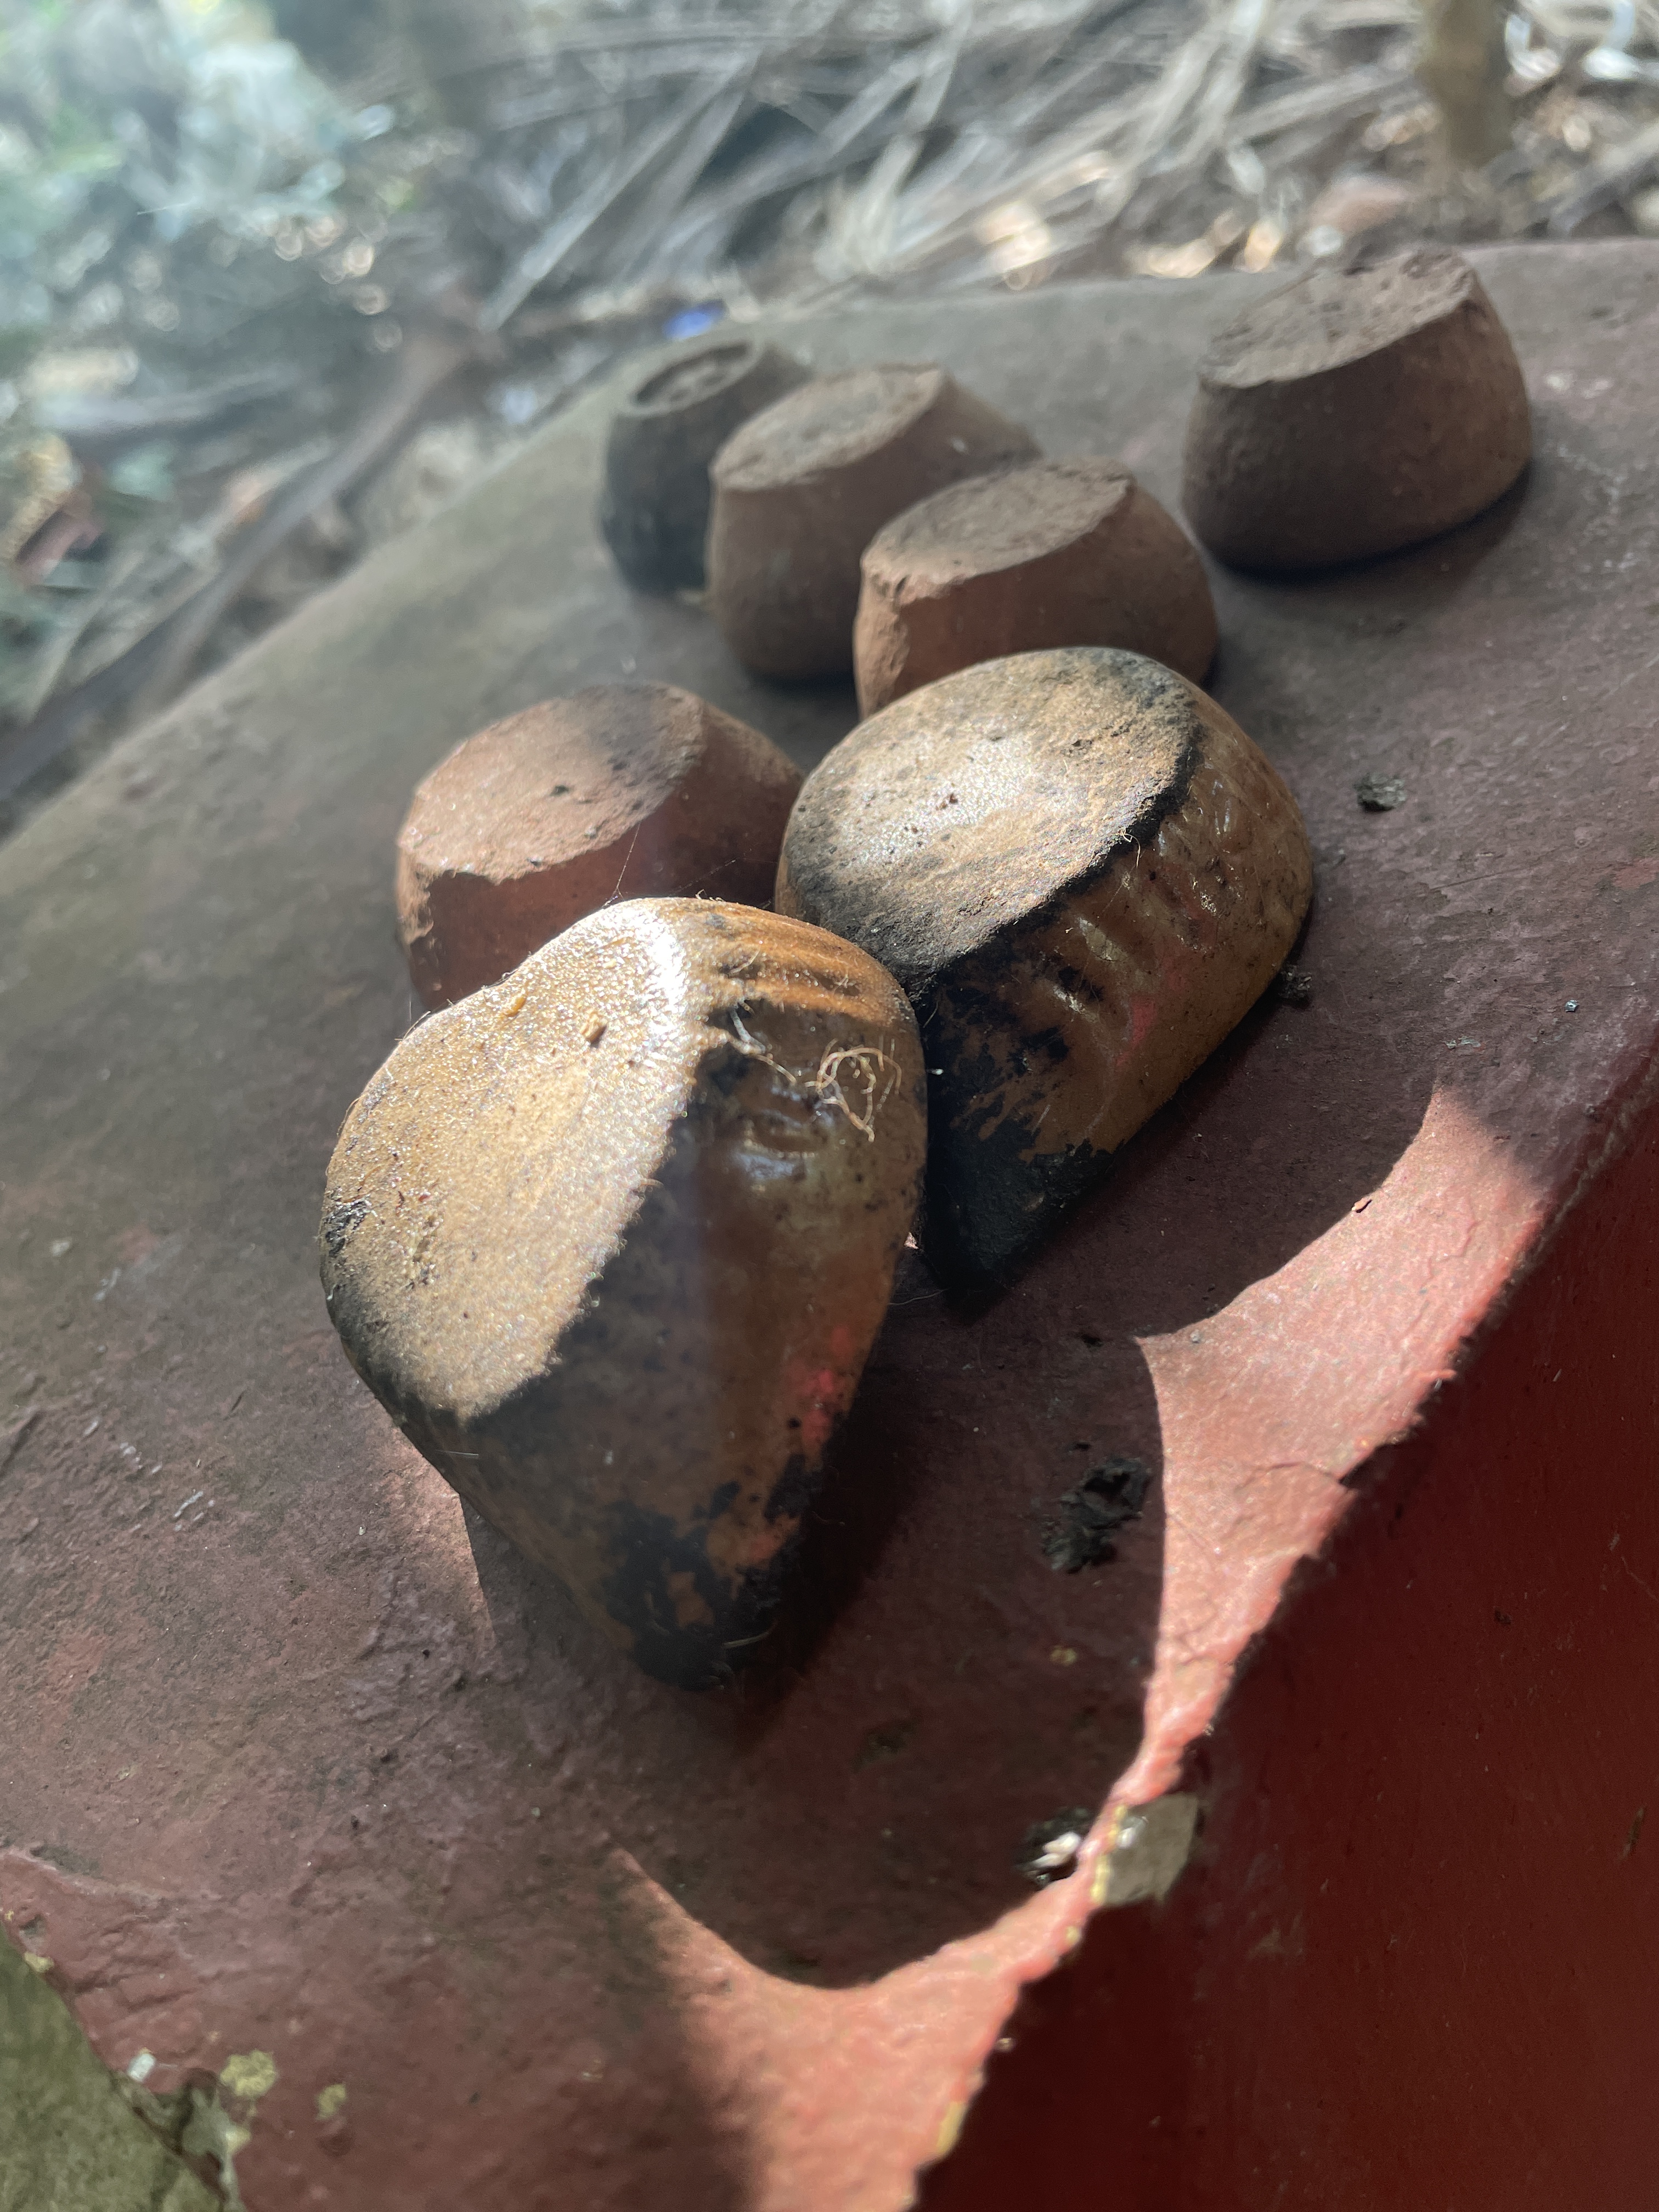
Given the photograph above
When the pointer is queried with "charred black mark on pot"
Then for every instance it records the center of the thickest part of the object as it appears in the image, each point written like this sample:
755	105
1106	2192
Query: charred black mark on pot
991	1195
650	1554
1050	1043
793	1490
991	1200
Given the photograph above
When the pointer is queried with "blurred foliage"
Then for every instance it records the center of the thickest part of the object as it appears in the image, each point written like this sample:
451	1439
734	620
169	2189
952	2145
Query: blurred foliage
190	223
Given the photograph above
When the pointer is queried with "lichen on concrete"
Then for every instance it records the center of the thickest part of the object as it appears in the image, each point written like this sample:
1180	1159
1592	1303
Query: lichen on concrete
70	2141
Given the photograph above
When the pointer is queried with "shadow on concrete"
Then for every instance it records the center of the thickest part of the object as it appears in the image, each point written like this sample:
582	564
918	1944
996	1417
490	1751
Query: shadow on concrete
858	1796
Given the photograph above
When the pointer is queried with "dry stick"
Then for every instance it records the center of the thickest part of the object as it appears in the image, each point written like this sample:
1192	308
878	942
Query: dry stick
560	239
55	658
700	142
156	664
1331	100
919	71
1189	103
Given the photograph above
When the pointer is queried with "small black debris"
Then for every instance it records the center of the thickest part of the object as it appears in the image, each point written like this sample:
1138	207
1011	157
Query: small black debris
1293	986
1050	1849
1380	794
1092	1514
884	1743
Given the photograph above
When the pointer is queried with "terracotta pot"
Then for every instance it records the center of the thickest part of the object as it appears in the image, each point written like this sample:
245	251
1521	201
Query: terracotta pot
623	790
676	415
801	490
1354	413
1054	553
1084	873
612	1240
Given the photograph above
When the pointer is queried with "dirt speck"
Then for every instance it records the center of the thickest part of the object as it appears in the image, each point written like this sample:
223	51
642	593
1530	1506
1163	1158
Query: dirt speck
1380	794
1049	1848
881	1743
1093	1511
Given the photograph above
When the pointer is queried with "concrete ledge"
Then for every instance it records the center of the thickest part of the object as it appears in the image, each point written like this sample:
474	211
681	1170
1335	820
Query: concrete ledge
295	1762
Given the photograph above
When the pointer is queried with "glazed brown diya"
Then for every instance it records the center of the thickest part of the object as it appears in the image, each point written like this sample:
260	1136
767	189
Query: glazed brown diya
1083	873
675	413
1354	413
611	1239
801	489
1055	553
622	791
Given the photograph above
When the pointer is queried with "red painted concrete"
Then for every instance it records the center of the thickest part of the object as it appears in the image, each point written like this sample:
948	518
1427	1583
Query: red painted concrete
1413	1964
304	1765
